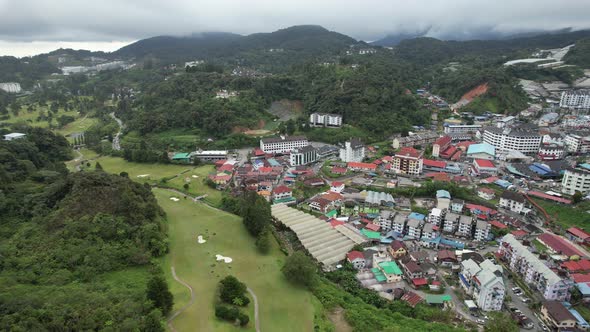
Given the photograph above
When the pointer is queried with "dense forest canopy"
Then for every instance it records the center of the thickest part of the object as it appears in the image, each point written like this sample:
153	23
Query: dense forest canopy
61	236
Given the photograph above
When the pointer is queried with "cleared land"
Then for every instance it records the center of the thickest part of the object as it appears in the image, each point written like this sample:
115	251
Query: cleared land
282	307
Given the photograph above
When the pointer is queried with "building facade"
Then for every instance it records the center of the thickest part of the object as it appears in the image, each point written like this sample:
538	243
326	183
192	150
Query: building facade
415	140
407	161
325	120
462	129
577	99
484	283
521	140
353	151
283	144
512	201
303	156
576	179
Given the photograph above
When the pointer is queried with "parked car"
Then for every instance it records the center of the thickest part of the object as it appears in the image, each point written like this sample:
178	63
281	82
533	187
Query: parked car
543	327
525	299
480	321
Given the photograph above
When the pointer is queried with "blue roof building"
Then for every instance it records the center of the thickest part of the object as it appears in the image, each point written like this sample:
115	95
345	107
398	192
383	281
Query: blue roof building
416	215
481	148
581	322
443	194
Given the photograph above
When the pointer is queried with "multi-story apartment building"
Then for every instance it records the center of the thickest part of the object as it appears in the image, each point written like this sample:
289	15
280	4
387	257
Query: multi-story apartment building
283	144
484	283
399	223
436	216
440	145
407	161
533	271
578	99
422	139
576	179
465	226
512	201
429	231
551	151
414	228
451	222
526	141
303	156
577	142
325	120
462	129
386	220
353	151
482	230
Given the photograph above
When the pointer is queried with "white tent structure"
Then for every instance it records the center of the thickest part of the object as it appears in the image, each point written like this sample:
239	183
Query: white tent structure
325	243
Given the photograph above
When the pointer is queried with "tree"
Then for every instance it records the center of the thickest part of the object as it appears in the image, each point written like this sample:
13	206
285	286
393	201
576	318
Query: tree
263	241
500	322
577	197
124	175
300	269
159	294
153	322
98	166
231	289
256	213
185	186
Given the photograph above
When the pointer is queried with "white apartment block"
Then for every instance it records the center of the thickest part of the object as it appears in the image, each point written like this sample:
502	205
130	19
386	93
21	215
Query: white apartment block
429	232
303	156
553	151
414	228
399	223
579	99
353	151
283	144
451	222
462	129
512	201
484	283
576	179
465	226
386	219
533	271
435	216
504	140
325	120
577	143
482	230
11	87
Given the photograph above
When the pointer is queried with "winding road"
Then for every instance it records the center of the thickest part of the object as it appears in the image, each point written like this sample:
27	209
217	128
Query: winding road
117	138
256	319
179	311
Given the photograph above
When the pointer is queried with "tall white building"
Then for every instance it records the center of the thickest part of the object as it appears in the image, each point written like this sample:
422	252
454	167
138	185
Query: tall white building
465	226
451	222
10	87
525	141
303	156
579	99
484	283
283	144
576	179
533	271
436	216
482	230
325	120
576	143
512	201
353	151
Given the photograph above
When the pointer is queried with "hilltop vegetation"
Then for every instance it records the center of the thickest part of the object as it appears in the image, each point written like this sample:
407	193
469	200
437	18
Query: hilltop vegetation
65	239
580	54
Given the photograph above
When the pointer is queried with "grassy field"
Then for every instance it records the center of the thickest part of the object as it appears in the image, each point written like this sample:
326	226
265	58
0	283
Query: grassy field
567	215
79	125
197	187
282	307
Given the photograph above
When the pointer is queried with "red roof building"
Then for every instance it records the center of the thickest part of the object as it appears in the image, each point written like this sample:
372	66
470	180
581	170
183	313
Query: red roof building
408	152
412	298
484	166
334	222
498	224
338	170
281	190
448	152
577	266
519	234
578	235
434	163
361	166
419	282
457	155
373	227
549	197
578	277
351	256
440	145
439	176
559	245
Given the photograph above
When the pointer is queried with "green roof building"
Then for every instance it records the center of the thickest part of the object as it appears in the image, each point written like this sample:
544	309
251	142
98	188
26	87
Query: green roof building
371	235
184	157
391	271
437	299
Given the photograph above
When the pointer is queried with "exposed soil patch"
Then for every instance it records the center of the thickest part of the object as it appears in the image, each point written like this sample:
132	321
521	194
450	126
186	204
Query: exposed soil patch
340	323
286	109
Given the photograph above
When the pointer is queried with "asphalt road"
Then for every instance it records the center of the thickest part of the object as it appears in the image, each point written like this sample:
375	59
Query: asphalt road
117	138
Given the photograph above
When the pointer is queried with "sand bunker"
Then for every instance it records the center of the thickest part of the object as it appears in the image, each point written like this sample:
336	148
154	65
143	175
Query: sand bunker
143	176
174	199
195	176
200	239
223	258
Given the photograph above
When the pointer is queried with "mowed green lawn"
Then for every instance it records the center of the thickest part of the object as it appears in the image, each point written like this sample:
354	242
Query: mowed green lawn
194	178
282	306
79	125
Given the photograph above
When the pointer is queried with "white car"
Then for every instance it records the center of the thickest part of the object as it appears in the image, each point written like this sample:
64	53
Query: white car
480	321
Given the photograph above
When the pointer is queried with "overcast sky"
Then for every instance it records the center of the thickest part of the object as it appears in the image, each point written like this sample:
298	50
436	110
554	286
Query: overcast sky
29	27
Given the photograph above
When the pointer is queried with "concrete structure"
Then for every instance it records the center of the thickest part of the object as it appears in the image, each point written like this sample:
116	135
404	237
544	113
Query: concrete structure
10	87
414	228
325	120
436	216
481	151
512	201
282	144
451	222
577	143
484	166
303	156
440	145
386	219
399	223
407	161
13	136
551	151
482	230
533	271
357	259
462	129
484	283
353	151
522	140
486	193
422	139
576	99
576	179
465	226
209	155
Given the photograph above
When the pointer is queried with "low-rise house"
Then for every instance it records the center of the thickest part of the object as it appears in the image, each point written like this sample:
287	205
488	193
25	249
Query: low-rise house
512	201
313	182
457	205
412	298
555	313
465	226
357	259
320	204
443	199
412	270
365	167
486	193
578	235
397	249
391	271
446	258
282	192
13	136
419	256
337	186
484	166
482	230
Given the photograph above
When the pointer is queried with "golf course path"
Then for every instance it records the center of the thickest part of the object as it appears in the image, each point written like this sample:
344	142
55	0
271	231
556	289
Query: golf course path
179	311
256	320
